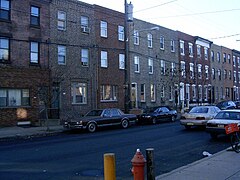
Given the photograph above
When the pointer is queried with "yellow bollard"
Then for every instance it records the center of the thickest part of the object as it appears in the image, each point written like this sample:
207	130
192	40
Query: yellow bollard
109	166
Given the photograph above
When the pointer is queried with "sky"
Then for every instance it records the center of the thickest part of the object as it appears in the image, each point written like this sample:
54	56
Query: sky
215	20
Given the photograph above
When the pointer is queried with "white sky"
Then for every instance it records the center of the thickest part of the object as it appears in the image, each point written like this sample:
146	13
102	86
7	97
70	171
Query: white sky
218	19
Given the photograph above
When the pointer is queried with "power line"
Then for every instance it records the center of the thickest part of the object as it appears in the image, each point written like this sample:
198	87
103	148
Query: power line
221	37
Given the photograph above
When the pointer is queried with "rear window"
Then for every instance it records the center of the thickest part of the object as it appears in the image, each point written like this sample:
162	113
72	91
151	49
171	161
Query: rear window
199	110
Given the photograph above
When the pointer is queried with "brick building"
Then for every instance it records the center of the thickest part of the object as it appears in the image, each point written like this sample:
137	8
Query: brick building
236	74
23	59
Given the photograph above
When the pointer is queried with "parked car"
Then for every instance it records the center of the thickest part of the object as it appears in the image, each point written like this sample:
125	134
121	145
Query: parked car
226	105
98	118
198	116
237	104
217	125
162	113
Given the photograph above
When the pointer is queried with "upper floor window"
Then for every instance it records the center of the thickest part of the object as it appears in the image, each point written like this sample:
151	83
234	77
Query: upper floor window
150	65
61	54
84	57
206	53
120	33
103	27
219	74
182	47
62	20
198	50
225	73
229	59
136	64
152	93
5	9
230	74
183	69
234	61
238	61
142	91
190	45
173	69
199	71
34	49
206	72
35	16
104	60
172	46
191	70
224	57
136	37
218	57
85	24
150	39
162	42
213	73
163	67
121	61
4	49
212	55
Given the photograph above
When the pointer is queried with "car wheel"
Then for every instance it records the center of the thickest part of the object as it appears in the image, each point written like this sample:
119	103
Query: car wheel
213	135
154	120
187	127
173	118
125	123
92	127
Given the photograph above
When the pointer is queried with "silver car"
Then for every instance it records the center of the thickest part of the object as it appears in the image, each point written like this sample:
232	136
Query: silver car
198	116
217	125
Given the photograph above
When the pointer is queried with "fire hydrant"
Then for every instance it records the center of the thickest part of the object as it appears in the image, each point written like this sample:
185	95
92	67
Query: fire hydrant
138	163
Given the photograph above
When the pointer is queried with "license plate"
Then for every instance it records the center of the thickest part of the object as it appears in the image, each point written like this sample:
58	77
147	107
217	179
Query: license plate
190	124
221	126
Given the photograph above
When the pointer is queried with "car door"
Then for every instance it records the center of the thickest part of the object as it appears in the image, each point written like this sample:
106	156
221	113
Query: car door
106	118
161	116
166	113
116	116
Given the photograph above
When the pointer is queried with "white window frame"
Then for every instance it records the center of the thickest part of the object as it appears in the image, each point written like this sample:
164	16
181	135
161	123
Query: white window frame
150	65
150	40
62	21
199	66
163	67
136	37
161	42
85	57
4	49
172	46
207	72
85	24
142	93
182	47
190	46
103	29
34	52
191	69
61	54
152	92
104	59
206	53
108	93
183	69
136	64
121	33
198	51
121	58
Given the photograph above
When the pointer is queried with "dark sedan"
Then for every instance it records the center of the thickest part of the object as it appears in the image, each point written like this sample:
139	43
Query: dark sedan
160	114
99	118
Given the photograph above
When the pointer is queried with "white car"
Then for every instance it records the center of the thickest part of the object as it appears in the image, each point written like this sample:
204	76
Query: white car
217	125
198	116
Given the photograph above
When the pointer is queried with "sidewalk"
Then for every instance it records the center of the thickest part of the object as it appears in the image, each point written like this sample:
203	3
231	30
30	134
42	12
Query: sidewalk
220	166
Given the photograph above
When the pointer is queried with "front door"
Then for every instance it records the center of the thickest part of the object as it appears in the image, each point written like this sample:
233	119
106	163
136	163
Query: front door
134	95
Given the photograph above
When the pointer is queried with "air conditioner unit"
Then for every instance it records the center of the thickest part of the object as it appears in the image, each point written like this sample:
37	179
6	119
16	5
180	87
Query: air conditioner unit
85	29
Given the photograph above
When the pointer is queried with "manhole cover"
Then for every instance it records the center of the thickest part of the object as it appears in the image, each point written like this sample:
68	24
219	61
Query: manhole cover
92	172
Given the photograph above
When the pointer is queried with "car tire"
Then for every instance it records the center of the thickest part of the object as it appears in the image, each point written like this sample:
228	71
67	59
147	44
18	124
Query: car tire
124	123
173	118
92	127
154	120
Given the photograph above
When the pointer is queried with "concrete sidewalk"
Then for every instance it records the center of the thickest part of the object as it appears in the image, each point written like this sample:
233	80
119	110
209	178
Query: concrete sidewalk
220	166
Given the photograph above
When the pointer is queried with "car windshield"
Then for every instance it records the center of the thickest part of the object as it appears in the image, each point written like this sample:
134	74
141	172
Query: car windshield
199	110
94	113
228	115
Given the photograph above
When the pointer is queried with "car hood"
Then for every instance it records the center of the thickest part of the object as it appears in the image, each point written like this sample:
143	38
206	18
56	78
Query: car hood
223	121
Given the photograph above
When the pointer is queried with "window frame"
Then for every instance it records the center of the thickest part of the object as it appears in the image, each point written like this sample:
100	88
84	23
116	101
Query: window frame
62	53
162	42
103	29
85	57
34	52
150	65
80	86
136	37
136	64
34	17
121	58
104	59
150	40
121	33
5	49
108	93
63	26
5	11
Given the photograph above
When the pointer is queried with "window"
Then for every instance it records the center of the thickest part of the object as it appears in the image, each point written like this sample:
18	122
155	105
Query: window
187	91
235	76
103	27
206	53
182	47
183	69
230	74
238	61
229	59
219	74
163	67
238	77
34	56
212	55
190	45
172	46
194	92
170	93
191	70
61	20
152	93
142	91
4	49
14	97
79	93
162	93
206	72
136	64
198	50
162	42
120	33
200	92
84	57
213	73
227	90
104	60
205	93
225	74
5	9
136	37
35	16
199	71
150	65
218	57
61	54
85	24
121	61
234	61
150	39
224	57
173	69
108	93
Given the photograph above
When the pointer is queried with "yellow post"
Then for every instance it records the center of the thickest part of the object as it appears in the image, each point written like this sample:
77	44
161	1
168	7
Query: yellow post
109	166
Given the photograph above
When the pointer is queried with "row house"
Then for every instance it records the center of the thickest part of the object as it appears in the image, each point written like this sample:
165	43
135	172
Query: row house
236	74
194	59
153	58
24	59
